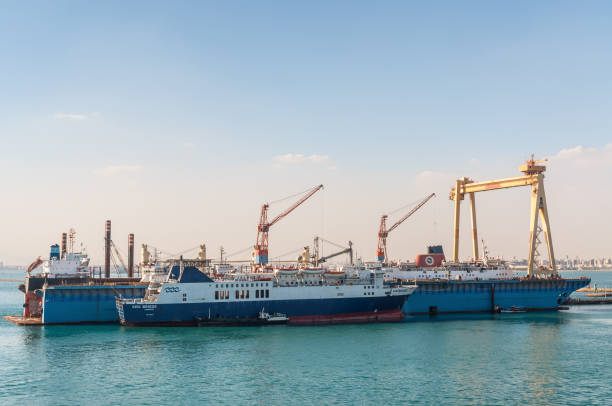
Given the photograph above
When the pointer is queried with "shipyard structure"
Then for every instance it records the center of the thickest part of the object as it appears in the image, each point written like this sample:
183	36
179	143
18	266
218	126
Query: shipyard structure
179	291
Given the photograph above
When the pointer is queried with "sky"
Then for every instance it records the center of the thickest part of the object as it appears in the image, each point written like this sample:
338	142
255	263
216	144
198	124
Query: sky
177	121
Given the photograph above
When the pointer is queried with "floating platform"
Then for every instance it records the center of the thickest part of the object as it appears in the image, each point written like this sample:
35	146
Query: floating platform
21	321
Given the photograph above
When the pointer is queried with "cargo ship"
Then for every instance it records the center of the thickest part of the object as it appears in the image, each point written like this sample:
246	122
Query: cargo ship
487	285
304	296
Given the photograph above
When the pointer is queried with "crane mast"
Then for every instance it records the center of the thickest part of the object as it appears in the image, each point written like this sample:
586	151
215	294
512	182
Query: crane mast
318	260
383	232
260	252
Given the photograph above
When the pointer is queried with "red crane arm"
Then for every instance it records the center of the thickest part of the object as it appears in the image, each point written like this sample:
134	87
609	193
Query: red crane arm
410	213
295	205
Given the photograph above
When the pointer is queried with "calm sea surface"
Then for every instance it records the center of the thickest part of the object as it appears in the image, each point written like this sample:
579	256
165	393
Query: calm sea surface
534	358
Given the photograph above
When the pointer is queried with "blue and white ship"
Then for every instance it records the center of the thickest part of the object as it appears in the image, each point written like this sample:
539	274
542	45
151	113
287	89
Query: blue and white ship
304	296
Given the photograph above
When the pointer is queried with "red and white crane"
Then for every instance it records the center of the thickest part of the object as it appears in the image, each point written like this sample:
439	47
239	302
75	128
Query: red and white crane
381	252
260	253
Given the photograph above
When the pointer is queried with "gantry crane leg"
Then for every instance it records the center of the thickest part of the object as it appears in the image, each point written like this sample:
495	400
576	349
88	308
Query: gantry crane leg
474	228
543	211
539	209
533	227
458	198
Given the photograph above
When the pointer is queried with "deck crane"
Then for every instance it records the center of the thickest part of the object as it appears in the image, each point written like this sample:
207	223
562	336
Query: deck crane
260	252
318	260
381	252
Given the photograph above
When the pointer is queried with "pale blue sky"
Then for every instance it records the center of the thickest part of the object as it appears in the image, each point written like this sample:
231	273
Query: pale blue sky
205	95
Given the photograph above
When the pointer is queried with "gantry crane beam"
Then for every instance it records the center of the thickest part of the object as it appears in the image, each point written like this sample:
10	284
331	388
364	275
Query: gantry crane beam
533	177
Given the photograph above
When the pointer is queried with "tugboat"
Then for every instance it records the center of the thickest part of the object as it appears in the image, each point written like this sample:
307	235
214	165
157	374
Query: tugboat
275	318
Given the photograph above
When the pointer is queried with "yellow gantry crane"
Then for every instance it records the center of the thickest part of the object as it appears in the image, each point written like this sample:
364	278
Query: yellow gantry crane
534	177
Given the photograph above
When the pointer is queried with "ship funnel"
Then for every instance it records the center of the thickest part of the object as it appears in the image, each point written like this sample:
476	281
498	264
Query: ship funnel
130	263
64	243
107	247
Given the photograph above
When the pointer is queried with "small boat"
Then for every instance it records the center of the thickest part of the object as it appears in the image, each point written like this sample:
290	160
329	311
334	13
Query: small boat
334	274
513	309
311	271
287	272
274	318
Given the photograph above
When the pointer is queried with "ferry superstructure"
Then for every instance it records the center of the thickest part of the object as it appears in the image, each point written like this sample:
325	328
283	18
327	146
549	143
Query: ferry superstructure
306	296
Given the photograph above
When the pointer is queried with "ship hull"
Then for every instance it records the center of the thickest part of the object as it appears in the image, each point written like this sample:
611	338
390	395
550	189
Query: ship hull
85	304
299	311
447	297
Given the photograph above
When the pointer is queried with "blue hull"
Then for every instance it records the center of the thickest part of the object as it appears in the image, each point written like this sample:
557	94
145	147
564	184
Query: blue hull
229	312
485	296
85	304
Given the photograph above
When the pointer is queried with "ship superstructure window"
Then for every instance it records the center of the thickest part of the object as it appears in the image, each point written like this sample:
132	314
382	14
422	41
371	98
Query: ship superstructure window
237	294
227	295
247	294
267	292
184	297
257	294
216	295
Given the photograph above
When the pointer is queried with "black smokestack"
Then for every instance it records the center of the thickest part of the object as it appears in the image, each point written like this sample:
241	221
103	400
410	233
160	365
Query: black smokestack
130	263
64	242
107	253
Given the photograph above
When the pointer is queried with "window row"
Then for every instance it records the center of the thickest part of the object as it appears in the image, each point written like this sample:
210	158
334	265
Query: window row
241	285
241	294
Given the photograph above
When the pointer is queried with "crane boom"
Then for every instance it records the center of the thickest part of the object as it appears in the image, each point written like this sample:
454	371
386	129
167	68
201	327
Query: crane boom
410	213
295	205
383	232
348	250
260	253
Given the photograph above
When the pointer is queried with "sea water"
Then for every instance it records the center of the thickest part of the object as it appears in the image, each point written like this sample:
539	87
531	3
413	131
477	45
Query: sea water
534	358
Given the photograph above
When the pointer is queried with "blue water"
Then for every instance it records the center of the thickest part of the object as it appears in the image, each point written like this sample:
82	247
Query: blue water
533	358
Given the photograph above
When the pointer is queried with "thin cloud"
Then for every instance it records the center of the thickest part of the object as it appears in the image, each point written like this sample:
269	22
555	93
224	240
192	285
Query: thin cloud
69	116
301	158
584	156
114	170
